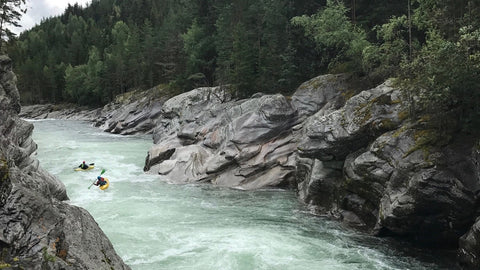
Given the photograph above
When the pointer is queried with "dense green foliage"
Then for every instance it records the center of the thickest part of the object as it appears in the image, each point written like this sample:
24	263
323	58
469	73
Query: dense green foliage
432	47
443	71
89	55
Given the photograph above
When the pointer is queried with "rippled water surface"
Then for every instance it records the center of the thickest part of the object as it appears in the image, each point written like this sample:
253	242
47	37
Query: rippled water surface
154	225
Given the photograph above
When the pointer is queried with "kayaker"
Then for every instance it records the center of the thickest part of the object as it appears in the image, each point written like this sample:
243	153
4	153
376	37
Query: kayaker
100	181
83	166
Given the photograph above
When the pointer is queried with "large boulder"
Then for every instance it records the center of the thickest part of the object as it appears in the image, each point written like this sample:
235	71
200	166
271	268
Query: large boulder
334	135
38	228
131	113
415	187
322	95
328	137
204	136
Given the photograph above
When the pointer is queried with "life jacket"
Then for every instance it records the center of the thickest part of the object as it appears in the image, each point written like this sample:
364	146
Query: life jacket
102	181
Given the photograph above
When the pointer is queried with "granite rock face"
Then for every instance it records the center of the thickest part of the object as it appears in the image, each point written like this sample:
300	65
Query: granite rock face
367	165
131	113
38	230
423	192
205	136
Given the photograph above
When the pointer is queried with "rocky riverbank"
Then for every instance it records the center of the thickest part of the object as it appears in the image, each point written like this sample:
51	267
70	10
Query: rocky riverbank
131	113
39	230
354	155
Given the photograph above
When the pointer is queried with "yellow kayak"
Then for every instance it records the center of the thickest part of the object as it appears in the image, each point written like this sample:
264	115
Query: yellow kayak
87	169
106	185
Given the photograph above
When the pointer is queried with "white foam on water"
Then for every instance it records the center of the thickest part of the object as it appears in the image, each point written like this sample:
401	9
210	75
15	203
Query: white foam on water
39	120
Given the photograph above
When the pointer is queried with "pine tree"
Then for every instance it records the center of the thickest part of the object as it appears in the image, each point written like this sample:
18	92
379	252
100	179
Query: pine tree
11	11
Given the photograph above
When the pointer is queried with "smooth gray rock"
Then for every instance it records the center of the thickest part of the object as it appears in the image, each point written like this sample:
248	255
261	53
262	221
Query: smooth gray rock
367	115
319	183
246	144
430	194
273	116
321	94
132	114
204	136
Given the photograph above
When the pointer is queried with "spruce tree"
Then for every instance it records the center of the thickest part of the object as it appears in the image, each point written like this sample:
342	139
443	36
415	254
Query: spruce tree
11	11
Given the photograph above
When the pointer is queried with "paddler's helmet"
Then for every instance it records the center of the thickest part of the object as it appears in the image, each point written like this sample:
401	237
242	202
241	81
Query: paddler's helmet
98	177
84	161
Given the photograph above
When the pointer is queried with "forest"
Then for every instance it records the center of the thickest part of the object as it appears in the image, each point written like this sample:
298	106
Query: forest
88	55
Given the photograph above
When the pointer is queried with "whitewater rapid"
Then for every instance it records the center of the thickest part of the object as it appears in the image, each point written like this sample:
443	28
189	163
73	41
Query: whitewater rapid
155	225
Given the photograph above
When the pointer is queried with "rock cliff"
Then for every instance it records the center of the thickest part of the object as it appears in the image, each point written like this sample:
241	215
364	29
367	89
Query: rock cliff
38	229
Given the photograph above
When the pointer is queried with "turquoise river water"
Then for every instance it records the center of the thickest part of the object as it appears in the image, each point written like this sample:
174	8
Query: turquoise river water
155	225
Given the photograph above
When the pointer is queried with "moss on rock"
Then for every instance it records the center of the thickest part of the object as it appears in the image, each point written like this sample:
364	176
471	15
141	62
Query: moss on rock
425	140
3	170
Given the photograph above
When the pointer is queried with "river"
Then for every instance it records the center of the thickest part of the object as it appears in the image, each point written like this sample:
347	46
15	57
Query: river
155	225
